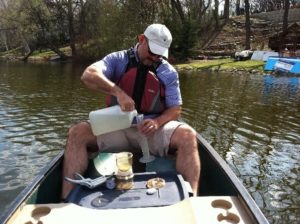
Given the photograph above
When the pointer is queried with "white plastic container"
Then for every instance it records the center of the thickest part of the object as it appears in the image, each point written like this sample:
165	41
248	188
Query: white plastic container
110	119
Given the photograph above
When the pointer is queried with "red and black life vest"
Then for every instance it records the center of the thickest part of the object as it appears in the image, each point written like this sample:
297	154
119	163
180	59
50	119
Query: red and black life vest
142	84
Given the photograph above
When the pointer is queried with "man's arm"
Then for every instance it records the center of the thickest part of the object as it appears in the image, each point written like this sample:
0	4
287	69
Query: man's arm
94	79
169	114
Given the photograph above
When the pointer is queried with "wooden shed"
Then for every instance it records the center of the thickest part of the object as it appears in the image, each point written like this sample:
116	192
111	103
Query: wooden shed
287	43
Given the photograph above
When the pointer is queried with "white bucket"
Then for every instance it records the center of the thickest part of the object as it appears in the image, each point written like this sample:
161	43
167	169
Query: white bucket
110	119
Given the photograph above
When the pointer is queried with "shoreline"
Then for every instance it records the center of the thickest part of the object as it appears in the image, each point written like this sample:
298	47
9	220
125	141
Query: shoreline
213	65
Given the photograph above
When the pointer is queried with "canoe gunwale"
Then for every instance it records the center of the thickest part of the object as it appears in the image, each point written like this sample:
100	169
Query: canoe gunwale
26	192
244	195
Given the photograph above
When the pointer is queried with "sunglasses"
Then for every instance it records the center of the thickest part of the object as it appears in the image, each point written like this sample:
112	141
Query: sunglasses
150	52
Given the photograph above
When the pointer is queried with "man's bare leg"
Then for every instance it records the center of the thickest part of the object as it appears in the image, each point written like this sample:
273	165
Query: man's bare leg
76	155
184	139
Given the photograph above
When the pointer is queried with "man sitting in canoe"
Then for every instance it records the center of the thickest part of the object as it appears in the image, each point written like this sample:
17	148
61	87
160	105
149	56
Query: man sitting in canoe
115	75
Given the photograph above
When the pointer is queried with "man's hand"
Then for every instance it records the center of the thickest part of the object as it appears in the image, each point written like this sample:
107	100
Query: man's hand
96	80
148	127
126	102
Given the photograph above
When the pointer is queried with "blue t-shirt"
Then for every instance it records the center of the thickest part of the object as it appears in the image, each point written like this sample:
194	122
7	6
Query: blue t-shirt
114	66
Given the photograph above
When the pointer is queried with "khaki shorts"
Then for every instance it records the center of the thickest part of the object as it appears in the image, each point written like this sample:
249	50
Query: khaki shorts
129	140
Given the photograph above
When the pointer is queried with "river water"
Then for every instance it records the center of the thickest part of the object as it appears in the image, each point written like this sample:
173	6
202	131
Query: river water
253	122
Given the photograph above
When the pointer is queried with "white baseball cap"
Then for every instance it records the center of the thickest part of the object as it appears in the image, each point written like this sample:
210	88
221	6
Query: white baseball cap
159	39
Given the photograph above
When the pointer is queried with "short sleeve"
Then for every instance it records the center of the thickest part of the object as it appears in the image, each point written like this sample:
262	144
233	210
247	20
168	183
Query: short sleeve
113	65
169	77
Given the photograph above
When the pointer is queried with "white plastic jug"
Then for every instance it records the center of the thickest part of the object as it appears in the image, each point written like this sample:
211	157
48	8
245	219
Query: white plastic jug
110	119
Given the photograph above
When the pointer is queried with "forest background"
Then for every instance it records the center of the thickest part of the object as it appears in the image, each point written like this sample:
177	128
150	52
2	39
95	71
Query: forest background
93	28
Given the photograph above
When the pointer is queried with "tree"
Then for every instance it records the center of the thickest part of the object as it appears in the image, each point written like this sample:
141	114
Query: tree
93	28
247	25
285	15
226	10
72	35
237	7
49	33
216	14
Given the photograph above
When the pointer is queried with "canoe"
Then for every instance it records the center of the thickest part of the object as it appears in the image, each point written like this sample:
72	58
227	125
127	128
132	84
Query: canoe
222	197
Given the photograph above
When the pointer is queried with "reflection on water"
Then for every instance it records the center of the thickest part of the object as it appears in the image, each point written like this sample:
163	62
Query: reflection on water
252	121
38	102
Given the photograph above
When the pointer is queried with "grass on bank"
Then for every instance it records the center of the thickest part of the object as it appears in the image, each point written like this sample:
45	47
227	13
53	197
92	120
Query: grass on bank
11	52
43	55
222	65
49	53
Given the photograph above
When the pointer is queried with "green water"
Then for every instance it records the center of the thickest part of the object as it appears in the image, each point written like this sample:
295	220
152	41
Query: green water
252	121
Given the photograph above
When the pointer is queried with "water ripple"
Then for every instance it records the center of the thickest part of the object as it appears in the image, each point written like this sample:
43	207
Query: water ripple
252	121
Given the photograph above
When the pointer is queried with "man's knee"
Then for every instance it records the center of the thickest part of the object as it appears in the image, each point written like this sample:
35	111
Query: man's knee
184	137
81	132
185	133
78	128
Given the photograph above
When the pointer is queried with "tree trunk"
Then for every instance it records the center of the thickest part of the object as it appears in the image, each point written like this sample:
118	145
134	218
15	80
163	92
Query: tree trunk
216	14
177	5
247	25
61	54
27	49
4	38
71	28
237	7
226	10
285	15
82	20
28	54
